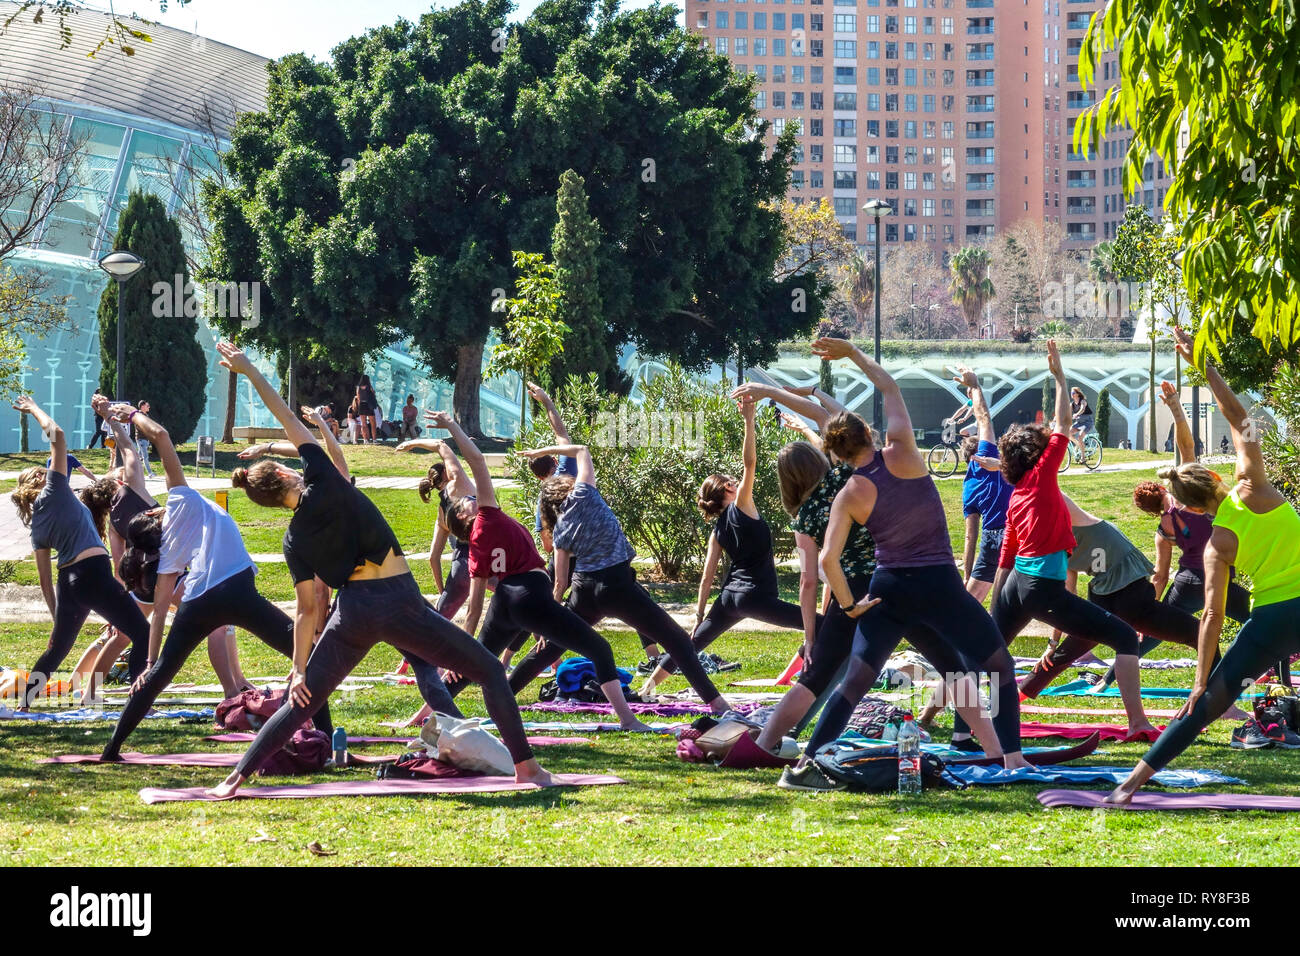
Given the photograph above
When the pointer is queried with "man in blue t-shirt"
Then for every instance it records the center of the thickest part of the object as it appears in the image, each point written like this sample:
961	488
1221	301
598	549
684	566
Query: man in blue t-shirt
984	497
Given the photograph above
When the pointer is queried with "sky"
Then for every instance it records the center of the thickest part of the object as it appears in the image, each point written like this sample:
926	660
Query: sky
274	28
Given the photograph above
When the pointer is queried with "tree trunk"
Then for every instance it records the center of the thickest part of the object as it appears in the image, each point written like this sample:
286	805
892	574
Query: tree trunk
232	396
1152	419
469	380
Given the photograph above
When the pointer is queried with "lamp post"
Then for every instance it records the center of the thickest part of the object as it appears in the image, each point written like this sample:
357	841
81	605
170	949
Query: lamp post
121	266
878	209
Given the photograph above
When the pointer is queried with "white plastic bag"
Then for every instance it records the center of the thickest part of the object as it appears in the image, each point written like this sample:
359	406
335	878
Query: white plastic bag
463	743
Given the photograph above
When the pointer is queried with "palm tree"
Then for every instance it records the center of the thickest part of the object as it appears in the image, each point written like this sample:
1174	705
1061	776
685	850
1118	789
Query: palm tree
1101	267
857	283
971	287
1055	329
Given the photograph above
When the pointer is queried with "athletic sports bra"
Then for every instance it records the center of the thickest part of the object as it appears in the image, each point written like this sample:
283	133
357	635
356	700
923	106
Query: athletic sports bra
1268	547
444	505
1191	534
908	523
748	544
127	503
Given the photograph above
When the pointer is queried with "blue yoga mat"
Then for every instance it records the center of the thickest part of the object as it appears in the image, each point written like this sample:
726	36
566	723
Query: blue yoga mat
938	749
90	714
1062	774
1081	688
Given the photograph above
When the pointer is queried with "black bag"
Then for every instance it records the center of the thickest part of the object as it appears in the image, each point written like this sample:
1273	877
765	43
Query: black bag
869	769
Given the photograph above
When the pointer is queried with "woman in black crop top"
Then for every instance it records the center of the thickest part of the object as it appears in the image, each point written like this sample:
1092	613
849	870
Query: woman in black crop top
338	534
750	589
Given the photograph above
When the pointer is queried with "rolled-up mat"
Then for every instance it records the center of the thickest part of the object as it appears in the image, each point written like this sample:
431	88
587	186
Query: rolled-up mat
378	788
1115	775
1091	711
242	737
184	760
1146	800
1031	731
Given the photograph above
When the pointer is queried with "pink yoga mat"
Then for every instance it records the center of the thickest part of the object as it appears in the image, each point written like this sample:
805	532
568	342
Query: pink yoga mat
1091	711
379	788
240	737
184	760
1144	800
1084	731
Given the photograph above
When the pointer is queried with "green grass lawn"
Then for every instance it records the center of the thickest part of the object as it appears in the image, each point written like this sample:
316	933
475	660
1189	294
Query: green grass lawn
668	813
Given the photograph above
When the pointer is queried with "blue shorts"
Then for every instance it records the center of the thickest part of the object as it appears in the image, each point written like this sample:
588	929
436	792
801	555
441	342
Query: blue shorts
986	554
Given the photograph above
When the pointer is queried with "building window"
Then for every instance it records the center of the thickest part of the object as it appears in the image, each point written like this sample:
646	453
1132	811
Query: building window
845	206
720	19
845	179
760	21
778	21
846	127
720	45
760	46
846	154
846	23
846	101
846	49
742	45
778	47
815	179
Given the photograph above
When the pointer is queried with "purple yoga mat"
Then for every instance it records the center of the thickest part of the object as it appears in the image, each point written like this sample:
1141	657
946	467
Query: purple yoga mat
183	760
240	737
661	709
1150	800
379	788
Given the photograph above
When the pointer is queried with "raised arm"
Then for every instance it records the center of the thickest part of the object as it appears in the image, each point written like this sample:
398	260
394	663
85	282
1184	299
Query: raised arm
1063	411
478	466
1182	430
898	429
552	415
1245	433
233	358
983	417
157	436
579	453
757	391
280	449
459	484
128	455
749	455
331	443
797	424
53	433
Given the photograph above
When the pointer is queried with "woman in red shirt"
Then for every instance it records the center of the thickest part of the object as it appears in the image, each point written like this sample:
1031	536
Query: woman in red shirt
522	601
1030	583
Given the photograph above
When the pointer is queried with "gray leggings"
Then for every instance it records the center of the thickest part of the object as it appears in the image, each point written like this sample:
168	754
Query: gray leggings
391	610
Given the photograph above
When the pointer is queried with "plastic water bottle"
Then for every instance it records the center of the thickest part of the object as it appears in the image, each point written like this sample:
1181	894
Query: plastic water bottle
909	757
890	731
340	745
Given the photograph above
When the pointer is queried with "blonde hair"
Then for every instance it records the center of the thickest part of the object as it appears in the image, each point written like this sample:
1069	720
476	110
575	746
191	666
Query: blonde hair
30	484
800	466
846	436
1194	485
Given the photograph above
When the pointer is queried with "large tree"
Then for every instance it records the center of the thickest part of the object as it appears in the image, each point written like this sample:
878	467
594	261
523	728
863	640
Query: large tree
1213	89
164	363
971	287
380	196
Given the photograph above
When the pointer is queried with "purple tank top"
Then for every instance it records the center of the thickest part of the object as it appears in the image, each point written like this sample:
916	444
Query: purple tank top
1191	534
908	523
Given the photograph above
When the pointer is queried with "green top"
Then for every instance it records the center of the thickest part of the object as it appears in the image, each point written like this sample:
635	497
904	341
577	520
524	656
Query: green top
859	555
1268	547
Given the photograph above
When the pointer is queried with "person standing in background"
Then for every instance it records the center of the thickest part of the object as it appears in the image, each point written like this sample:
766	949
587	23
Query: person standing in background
366	407
141	442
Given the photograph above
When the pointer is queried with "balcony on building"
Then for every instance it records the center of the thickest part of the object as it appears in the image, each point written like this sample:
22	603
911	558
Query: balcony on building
979	78
979	51
979	181
1081	205
979	156
1077	21
979	25
1081	231
979	104
1081	179
980	207
980	130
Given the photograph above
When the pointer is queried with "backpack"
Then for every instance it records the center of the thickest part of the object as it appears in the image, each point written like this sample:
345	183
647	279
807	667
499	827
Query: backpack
868	769
308	751
573	674
250	709
418	766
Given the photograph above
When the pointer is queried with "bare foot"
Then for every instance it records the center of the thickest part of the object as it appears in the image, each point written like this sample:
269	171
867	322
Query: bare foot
227	789
538	777
635	726
1134	730
1015	761
1119	797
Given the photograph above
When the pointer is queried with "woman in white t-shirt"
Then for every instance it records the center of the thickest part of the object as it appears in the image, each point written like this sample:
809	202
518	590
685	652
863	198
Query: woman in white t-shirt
194	536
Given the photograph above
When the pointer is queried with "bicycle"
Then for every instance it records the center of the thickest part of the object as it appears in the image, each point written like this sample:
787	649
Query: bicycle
1091	456
945	456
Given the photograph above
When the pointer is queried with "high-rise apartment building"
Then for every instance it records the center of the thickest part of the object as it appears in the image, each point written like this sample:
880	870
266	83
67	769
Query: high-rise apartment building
958	113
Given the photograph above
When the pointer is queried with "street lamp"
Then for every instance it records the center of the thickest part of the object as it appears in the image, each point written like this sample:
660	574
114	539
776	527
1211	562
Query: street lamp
878	209
121	266
1177	260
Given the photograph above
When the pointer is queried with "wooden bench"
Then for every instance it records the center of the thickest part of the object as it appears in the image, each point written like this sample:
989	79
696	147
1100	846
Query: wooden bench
250	435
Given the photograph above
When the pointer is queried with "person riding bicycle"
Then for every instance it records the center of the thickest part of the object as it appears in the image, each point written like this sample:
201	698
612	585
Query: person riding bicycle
963	412
1081	418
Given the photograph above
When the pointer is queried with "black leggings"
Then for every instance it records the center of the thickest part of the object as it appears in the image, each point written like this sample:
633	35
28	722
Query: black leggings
941	619
1187	593
732	607
1134	604
1271	634
83	587
834	642
454	592
615	592
236	601
394	611
523	604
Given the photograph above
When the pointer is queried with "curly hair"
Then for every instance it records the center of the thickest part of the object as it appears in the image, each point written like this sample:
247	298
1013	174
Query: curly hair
1149	496
555	490
543	466
98	499
30	484
1020	448
846	436
969	446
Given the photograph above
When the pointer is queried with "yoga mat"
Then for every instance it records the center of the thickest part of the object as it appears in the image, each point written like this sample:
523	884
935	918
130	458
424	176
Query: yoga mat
1146	663
241	737
184	760
1116	775
678	708
1081	688
89	714
1091	711
1039	758
757	682
590	727
1143	800
378	788
1083	731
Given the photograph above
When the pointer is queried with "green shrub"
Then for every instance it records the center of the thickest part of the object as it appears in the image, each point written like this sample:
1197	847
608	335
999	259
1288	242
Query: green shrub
651	458
1282	453
9	569
1103	417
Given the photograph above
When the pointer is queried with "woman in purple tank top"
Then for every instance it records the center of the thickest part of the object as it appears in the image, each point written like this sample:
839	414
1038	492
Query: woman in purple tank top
916	582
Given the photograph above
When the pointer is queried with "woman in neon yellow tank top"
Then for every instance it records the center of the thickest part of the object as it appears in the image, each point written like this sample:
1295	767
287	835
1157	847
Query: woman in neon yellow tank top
1256	529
